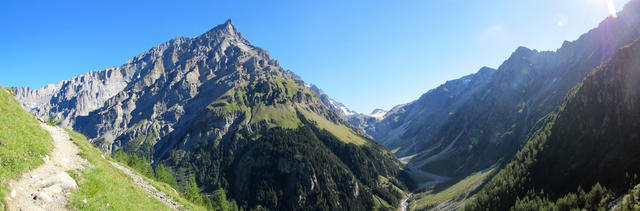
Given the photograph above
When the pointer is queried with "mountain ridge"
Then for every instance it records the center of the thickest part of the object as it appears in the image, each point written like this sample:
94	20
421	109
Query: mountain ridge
585	142
217	110
489	126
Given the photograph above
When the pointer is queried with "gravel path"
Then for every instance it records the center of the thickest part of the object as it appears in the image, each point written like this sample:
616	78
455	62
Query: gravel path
48	187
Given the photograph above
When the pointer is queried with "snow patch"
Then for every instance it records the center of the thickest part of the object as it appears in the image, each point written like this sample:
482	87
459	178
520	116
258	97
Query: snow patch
378	113
346	111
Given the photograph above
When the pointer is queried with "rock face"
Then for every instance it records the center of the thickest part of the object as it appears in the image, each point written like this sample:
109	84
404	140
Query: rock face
217	109
591	138
67	99
174	83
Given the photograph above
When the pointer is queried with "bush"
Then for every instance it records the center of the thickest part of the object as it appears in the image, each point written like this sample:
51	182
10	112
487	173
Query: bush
52	121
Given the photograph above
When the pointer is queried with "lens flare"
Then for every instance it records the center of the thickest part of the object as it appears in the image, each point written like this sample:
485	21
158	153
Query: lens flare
612	8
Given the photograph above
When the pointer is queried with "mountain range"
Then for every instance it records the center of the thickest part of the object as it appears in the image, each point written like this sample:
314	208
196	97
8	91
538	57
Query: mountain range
559	127
585	152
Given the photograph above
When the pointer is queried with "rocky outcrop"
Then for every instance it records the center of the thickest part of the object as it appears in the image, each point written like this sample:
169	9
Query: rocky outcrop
67	99
174	83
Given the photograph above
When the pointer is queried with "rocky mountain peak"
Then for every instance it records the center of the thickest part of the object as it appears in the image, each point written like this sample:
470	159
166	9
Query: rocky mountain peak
228	24
523	52
225	30
216	96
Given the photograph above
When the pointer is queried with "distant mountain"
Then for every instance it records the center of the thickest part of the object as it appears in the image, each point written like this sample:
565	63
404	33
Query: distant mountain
585	154
489	121
335	106
218	109
378	113
409	127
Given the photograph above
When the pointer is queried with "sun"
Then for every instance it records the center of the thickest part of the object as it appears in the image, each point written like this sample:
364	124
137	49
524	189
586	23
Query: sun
612	8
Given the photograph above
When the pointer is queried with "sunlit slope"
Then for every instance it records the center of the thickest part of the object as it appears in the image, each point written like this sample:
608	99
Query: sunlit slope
23	143
591	140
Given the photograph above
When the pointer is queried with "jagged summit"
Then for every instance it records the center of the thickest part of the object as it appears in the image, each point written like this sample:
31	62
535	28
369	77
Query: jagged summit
226	26
523	51
226	29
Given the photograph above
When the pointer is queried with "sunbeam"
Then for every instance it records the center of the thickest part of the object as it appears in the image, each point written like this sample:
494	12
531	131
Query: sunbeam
612	8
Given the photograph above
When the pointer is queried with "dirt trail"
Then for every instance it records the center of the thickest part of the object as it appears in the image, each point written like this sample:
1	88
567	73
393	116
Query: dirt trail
161	196
48	187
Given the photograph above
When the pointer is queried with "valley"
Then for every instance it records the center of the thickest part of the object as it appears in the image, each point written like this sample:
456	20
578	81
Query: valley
213	122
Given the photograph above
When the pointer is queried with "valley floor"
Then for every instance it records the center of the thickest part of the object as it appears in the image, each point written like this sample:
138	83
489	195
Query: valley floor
450	196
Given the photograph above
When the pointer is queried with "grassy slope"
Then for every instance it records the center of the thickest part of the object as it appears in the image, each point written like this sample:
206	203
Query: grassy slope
281	115
274	103
22	141
431	198
277	102
342	132
105	187
278	115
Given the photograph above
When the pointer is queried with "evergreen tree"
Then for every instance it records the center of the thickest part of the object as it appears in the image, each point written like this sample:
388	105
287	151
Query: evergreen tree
192	192
163	175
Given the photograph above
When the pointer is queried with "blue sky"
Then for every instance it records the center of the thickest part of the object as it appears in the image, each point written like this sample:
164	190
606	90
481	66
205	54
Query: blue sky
364	53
